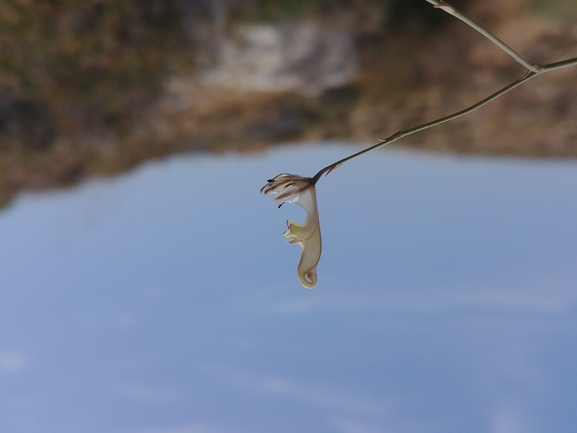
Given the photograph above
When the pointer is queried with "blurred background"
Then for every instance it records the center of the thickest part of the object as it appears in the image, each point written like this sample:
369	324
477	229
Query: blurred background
95	87
145	286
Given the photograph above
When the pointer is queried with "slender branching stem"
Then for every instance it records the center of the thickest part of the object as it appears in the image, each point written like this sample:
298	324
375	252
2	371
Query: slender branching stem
452	11
400	134
532	71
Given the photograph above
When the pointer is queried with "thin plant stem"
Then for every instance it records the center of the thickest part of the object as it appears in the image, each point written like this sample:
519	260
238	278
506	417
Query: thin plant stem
558	65
452	11
400	134
532	71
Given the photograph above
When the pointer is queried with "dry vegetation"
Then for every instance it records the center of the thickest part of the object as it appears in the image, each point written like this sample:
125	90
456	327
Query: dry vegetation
85	86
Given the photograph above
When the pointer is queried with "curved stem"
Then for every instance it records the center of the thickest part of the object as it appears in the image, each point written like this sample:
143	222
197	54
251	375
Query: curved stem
452	11
533	70
400	134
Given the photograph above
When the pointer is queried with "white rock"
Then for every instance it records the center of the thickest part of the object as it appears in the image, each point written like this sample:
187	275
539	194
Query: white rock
301	57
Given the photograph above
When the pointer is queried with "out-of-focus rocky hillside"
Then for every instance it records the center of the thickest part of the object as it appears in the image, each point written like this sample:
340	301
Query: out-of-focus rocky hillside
97	86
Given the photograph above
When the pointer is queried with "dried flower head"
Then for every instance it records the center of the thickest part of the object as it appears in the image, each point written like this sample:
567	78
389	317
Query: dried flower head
299	190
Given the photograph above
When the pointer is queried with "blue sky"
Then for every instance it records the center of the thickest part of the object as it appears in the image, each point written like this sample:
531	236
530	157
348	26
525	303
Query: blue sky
165	300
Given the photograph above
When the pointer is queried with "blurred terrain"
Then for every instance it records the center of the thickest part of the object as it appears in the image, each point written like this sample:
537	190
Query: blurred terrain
93	87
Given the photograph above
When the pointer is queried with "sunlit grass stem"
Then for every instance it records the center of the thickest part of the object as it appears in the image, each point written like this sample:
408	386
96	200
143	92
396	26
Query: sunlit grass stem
532	71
